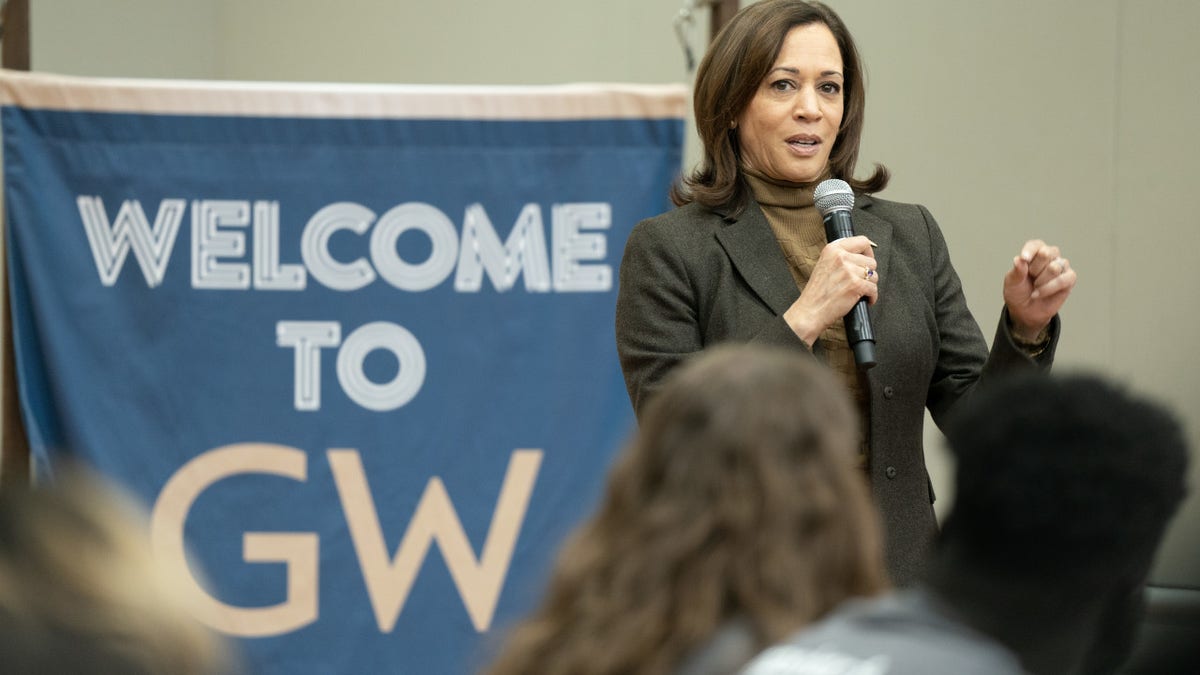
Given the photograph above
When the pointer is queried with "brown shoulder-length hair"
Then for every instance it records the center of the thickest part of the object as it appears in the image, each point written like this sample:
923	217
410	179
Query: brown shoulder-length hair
730	74
739	498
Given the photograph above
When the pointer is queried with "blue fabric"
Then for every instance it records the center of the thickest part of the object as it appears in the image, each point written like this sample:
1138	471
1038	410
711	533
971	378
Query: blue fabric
138	379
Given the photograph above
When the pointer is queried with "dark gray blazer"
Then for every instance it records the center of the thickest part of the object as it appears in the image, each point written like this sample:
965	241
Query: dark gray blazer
693	277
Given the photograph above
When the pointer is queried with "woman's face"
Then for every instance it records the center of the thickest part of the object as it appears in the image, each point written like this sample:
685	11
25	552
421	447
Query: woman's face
788	130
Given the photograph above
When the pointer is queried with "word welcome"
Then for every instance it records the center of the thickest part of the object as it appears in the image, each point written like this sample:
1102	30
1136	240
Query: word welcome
218	246
219	230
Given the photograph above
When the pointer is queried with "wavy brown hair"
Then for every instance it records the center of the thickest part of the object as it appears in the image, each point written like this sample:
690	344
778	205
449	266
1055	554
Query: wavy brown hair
738	499
739	57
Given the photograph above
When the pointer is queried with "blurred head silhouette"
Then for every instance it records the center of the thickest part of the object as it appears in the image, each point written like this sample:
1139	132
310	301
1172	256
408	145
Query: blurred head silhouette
737	500
1065	488
81	593
1064	478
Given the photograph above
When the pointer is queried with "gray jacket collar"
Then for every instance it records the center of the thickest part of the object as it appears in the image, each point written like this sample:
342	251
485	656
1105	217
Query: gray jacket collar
752	248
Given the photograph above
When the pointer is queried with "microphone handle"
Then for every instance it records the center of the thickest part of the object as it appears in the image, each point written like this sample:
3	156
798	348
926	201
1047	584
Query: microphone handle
838	225
858	326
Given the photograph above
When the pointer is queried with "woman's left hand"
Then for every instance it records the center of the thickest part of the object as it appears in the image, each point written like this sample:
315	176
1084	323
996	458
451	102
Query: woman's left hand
1036	288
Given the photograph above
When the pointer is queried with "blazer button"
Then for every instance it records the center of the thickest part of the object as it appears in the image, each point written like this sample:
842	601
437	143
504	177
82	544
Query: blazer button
888	392
890	472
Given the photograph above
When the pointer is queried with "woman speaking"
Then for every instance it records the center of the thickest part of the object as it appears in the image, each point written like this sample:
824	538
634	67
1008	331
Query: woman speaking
779	105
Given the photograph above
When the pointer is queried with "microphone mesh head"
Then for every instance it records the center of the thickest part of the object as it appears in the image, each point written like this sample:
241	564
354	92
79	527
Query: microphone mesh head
833	195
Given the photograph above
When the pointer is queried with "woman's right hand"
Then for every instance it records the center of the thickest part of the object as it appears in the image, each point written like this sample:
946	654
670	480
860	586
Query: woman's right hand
844	273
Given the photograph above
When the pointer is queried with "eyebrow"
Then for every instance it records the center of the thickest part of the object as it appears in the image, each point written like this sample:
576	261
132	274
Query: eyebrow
796	71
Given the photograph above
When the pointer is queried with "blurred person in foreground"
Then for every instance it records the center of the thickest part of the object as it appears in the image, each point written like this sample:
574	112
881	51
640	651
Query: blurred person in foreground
779	107
1064	490
81	593
734	517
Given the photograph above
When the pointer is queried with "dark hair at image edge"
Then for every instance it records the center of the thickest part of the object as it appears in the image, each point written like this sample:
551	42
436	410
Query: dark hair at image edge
1071	473
739	57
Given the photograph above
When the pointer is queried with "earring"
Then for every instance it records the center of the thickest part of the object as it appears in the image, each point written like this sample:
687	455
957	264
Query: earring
732	124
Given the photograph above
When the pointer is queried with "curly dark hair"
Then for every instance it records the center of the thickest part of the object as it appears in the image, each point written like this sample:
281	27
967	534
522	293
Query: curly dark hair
1072	475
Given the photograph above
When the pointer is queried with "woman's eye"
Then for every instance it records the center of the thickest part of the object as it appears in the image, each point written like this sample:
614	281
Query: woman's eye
783	85
831	88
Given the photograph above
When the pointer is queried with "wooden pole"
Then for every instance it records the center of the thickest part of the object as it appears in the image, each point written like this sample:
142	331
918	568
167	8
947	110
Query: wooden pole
14	445
722	11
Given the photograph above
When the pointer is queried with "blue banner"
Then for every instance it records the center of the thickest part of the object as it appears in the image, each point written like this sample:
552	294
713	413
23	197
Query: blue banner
353	346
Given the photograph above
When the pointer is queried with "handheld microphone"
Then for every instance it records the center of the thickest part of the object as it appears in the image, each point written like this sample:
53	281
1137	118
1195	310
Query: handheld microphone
835	199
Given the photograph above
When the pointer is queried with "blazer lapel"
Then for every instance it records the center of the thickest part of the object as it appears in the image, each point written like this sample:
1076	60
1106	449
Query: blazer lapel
877	230
751	246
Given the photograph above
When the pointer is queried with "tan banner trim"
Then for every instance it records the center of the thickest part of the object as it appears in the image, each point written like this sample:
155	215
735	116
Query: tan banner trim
326	100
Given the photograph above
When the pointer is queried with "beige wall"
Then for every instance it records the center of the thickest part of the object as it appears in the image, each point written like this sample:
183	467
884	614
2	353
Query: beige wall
135	38
1070	120
410	41
1074	121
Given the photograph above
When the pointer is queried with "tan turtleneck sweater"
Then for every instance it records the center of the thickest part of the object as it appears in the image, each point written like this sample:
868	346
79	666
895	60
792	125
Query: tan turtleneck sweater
800	232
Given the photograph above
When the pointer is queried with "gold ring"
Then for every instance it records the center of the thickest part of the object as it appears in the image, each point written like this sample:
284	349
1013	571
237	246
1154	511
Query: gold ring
868	273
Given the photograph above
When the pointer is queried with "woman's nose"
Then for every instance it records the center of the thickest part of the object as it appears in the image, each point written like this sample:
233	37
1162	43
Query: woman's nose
807	105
